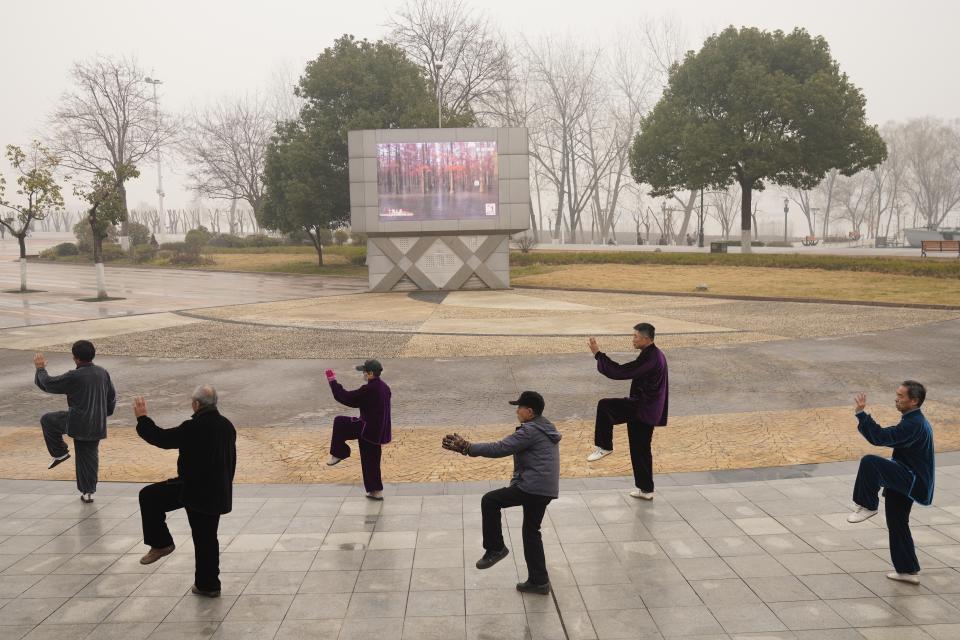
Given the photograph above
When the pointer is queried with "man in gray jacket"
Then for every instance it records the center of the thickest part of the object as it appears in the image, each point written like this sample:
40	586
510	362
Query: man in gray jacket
535	482
90	399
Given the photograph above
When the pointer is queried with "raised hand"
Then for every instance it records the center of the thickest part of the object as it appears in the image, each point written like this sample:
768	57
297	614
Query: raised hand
39	361
455	442
139	406
860	402
594	347
331	376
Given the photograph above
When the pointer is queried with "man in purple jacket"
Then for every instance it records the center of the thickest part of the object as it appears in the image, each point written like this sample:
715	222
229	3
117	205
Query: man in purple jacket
645	409
371	430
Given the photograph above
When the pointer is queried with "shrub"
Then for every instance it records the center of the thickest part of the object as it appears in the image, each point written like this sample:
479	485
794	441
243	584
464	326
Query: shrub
297	238
142	253
64	249
110	251
198	237
226	240
139	233
262	240
359	239
84	235
525	243
359	260
180	253
326	237
340	236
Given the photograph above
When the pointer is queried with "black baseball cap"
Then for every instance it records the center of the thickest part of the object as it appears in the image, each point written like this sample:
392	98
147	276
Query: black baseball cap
531	400
373	366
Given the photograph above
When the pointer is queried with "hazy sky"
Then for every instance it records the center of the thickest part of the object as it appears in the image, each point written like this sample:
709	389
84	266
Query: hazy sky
902	54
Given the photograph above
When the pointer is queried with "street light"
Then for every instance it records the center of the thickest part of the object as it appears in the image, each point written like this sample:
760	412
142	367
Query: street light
156	122
786	210
438	66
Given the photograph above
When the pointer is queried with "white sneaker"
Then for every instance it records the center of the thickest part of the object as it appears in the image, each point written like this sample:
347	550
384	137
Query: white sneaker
909	578
58	460
86	497
861	514
641	495
598	453
333	460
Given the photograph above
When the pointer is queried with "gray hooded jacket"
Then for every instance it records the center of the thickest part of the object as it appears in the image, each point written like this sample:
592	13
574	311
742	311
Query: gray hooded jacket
536	456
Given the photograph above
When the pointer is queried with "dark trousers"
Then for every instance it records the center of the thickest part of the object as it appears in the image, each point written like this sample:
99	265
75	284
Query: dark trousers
87	452
347	428
896	480
155	501
534	507
611	411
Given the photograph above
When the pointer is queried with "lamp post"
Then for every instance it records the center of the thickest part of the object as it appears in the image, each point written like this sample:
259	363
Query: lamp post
786	210
156	119
813	219
438	66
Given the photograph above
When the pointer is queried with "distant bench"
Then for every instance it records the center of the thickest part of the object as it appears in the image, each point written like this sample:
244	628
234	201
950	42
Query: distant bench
943	246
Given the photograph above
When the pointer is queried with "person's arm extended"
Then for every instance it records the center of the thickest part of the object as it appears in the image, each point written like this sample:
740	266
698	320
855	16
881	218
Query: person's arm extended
901	434
625	371
514	443
151	433
54	384
348	398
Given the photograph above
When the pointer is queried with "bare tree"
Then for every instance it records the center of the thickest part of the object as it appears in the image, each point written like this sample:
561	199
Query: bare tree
464	57
932	152
827	193
725	208
284	103
855	195
108	121
225	146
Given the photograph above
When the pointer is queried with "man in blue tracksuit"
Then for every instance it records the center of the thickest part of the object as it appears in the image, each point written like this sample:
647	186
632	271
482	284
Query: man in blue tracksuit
905	478
535	483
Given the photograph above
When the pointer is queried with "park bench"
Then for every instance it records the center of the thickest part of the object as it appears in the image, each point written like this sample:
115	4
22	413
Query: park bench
881	242
943	246
809	241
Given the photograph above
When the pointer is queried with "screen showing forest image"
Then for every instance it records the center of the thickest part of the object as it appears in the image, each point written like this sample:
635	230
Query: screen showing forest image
437	180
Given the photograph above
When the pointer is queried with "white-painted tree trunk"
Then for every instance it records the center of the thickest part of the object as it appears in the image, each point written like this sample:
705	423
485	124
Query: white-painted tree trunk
101	281
23	274
745	240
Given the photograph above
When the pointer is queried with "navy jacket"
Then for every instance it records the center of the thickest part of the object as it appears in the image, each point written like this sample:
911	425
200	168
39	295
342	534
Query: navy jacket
90	398
207	461
649	385
373	400
912	443
536	456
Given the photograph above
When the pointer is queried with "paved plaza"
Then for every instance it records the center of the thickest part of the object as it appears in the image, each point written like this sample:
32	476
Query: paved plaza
721	556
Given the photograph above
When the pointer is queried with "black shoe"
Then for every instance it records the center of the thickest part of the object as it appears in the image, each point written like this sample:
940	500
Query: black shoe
201	592
491	558
529	587
58	460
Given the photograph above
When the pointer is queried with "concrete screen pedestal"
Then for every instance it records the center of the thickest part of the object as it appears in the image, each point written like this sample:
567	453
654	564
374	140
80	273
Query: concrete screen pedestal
439	249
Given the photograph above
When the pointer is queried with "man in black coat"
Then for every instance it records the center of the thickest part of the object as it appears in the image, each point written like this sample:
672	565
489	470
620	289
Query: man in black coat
203	486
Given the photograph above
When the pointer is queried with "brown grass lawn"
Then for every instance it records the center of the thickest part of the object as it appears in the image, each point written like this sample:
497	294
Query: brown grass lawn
746	281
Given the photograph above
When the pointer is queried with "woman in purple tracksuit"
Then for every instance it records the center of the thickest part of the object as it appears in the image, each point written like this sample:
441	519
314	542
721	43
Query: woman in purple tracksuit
371	430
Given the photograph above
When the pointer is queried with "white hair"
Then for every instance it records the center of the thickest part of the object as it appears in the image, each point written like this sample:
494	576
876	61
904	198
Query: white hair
205	395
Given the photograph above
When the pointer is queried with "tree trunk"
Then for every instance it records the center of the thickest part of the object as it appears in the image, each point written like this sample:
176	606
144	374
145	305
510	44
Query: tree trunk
745	216
315	238
22	241
101	281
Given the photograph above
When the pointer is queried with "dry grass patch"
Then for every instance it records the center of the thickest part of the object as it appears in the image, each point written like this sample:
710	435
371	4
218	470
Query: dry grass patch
750	281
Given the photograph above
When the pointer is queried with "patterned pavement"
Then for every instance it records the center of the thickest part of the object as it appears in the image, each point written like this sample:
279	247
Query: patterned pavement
708	559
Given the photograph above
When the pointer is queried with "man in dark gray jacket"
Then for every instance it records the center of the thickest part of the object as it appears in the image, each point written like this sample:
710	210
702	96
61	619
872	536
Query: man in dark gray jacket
90	399
535	482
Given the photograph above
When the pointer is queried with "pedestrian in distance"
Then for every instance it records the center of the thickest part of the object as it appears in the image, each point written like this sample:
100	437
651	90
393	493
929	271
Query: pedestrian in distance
371	430
203	487
644	409
535	447
906	477
90	399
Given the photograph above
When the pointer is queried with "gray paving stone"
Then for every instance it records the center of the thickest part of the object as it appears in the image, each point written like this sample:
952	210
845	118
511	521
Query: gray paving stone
436	603
746	618
318	606
813	614
623	623
868	612
685	621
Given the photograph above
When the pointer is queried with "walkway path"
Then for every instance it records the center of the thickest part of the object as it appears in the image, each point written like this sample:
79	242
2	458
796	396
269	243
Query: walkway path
710	558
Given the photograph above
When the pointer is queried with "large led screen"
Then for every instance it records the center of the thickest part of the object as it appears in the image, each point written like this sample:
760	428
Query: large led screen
437	180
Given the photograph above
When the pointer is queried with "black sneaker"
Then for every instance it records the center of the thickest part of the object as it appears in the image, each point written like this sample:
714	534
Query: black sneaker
58	460
491	558
203	592
529	587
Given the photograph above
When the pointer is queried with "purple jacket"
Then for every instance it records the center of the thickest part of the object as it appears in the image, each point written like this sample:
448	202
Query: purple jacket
649	382
373	400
